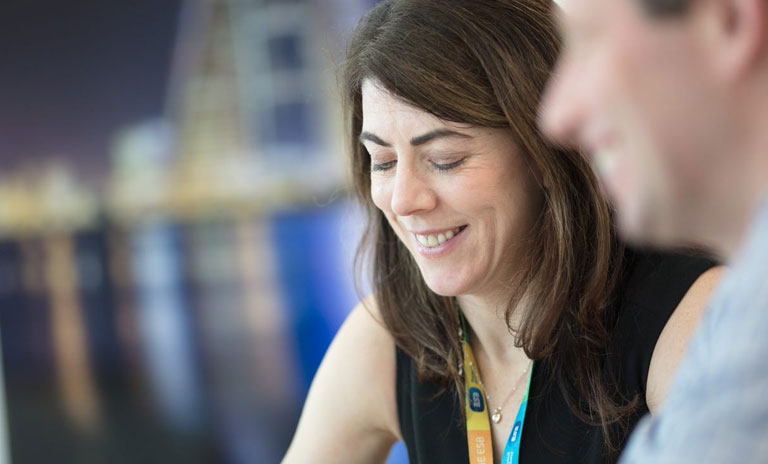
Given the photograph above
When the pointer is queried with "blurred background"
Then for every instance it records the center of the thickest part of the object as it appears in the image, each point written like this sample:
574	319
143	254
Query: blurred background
176	236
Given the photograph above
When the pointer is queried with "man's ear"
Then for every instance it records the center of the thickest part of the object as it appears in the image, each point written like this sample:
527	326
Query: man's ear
738	31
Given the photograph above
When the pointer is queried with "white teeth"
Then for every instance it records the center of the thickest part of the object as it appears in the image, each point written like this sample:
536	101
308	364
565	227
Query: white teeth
431	241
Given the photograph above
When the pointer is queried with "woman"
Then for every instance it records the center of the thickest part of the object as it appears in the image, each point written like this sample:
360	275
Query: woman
506	319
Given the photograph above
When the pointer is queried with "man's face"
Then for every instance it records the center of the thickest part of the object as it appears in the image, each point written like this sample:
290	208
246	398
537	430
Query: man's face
636	93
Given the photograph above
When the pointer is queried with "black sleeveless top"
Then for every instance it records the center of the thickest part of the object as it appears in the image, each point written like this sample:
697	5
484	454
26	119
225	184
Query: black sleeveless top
652	286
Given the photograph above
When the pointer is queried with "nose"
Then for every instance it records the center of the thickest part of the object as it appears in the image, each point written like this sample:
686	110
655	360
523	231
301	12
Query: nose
563	108
412	191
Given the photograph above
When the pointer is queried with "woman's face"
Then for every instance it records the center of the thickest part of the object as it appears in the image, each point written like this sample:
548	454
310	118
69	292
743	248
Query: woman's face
460	198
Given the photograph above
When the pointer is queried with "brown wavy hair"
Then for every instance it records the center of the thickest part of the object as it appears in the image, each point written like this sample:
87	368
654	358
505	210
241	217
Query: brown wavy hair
485	63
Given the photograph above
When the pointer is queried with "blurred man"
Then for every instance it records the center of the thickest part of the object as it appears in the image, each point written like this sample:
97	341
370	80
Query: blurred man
670	100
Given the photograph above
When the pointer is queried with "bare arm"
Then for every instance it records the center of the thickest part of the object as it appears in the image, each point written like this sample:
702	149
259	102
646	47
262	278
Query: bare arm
673	341
350	415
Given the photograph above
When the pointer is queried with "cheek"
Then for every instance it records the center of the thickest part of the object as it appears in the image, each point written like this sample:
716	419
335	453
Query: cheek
512	193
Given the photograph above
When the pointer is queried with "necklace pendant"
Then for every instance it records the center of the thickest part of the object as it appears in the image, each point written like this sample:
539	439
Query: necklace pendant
496	417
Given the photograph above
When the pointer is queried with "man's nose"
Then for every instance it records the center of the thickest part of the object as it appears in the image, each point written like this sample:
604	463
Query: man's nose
562	110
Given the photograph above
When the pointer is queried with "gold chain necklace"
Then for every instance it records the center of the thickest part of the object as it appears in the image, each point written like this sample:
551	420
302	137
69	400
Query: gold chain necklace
496	416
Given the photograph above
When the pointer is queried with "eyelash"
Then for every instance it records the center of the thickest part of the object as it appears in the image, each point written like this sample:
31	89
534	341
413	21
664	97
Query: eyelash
382	167
448	166
439	167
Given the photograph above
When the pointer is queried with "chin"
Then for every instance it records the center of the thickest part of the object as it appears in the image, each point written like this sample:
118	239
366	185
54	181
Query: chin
445	293
445	288
645	228
633	227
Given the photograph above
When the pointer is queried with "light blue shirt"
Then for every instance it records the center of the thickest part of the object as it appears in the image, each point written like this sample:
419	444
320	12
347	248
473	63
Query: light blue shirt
717	409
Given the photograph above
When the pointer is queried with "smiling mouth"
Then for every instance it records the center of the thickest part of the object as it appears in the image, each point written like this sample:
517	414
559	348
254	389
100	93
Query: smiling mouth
435	240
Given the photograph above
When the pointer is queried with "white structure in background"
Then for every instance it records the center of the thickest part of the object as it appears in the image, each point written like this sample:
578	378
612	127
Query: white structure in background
214	162
141	176
254	100
288	73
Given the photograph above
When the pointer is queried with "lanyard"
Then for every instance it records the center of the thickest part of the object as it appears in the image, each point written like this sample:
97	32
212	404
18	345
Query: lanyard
478	423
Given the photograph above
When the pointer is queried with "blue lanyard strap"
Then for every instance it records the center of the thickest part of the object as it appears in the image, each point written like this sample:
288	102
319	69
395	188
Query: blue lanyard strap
512	450
478	424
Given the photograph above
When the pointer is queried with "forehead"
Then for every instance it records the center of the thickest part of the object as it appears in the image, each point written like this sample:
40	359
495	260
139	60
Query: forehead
377	99
385	112
397	122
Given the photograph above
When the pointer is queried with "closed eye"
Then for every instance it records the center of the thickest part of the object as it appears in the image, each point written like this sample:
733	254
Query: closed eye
448	166
382	166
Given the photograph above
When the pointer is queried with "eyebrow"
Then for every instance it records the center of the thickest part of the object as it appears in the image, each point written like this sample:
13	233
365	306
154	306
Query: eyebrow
416	141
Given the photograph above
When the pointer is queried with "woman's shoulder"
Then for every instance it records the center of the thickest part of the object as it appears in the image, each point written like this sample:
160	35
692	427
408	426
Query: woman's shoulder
365	351
365	322
351	404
